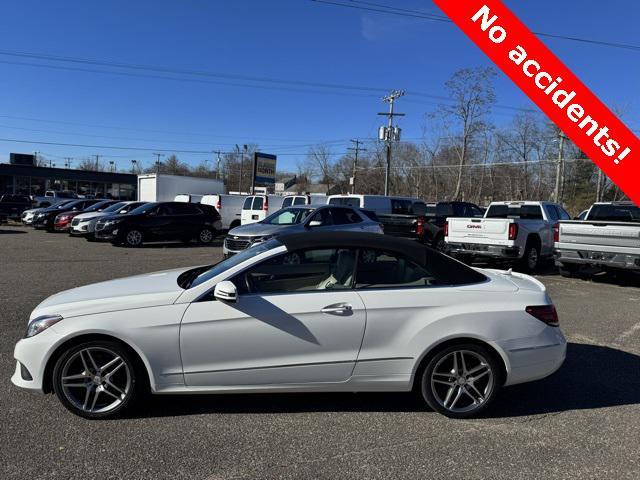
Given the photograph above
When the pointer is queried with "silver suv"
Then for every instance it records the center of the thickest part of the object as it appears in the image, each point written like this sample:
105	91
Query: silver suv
303	218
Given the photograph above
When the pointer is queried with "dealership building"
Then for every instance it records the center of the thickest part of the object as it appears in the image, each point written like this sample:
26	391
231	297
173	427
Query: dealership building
33	180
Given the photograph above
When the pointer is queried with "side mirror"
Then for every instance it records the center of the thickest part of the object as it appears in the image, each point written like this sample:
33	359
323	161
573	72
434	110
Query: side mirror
314	223
226	291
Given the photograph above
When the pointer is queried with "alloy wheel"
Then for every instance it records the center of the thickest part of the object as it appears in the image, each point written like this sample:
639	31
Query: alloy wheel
205	236
462	381
134	238
96	380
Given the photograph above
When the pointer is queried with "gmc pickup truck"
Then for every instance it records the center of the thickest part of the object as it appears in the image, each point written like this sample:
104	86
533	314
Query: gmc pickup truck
12	206
436	219
520	232
607	239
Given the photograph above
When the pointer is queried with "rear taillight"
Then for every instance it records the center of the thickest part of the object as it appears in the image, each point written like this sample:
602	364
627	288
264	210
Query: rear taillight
420	227
265	205
556	232
513	231
446	229
544	313
219	204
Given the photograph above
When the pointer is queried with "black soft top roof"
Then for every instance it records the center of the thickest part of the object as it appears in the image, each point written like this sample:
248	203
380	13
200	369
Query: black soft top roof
446	269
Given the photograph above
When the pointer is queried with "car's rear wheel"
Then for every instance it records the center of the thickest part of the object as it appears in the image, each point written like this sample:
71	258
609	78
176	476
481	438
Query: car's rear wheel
96	379
133	238
460	381
205	236
531	258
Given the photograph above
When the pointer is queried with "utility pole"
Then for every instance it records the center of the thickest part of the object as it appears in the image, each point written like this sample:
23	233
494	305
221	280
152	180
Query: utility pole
134	163
95	169
158	155
241	165
67	161
357	149
390	133
112	165
218	153
557	192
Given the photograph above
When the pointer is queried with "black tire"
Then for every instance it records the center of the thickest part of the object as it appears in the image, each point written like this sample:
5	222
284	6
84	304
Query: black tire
88	398
133	238
531	259
569	270
234	224
206	236
439	244
486	388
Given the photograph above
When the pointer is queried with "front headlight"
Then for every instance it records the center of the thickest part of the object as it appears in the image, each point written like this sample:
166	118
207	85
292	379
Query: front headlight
112	222
40	324
258	240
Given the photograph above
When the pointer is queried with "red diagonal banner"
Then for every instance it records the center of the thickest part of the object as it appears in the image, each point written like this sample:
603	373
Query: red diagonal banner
552	87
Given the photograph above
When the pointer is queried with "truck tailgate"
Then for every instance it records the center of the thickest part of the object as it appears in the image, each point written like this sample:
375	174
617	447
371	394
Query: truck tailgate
621	237
483	231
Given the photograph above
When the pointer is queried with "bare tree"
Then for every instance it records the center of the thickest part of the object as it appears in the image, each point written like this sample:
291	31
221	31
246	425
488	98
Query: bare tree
472	93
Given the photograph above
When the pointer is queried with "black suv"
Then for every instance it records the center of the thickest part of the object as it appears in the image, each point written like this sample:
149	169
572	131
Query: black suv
161	221
12	206
436	218
45	217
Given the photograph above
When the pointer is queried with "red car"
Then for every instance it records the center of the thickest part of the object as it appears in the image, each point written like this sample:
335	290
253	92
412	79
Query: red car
62	222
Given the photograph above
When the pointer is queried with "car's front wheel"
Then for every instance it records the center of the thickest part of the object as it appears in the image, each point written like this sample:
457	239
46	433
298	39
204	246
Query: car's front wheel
460	381
133	238
96	379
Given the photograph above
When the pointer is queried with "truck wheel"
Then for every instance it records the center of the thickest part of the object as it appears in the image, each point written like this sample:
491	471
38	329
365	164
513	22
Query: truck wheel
531	258
439	244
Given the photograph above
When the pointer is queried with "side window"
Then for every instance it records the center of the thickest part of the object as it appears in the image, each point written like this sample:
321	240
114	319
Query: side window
563	214
379	269
400	207
475	211
300	201
257	203
300	271
552	212
419	209
164	210
323	216
287	202
247	203
344	216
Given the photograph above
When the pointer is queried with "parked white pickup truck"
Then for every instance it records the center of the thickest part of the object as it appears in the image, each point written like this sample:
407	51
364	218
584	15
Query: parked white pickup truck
608	238
509	231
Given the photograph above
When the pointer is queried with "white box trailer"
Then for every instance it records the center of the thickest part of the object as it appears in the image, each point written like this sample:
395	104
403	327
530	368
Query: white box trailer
160	187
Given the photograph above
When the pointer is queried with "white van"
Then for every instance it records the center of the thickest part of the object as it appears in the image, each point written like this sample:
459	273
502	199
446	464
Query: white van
228	206
376	203
293	200
188	198
258	207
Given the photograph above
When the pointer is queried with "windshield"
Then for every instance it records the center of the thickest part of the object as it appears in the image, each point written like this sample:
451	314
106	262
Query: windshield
114	207
288	216
143	208
232	261
98	206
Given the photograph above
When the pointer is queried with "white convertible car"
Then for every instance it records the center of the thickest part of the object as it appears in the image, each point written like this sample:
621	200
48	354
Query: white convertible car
352	312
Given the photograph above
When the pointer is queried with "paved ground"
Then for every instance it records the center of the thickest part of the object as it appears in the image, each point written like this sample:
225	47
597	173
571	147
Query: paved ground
583	422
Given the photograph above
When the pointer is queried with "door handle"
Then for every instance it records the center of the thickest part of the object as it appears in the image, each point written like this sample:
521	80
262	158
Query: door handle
338	308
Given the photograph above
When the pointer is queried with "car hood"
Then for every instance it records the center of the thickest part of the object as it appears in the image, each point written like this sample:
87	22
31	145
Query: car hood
140	291
91	215
261	229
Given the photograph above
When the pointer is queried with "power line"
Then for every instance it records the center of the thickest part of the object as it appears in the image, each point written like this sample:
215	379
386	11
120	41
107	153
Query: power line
380	8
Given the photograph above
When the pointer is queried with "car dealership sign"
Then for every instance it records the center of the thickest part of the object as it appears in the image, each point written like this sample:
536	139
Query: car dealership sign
552	87
264	168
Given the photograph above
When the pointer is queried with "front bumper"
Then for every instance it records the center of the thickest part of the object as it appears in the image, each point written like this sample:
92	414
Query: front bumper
489	251
107	233
598	259
79	229
31	355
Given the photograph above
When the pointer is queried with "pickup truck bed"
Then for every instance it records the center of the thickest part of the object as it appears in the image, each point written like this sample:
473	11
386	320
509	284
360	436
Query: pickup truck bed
598	243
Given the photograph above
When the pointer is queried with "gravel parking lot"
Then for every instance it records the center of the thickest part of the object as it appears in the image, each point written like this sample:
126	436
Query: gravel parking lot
583	422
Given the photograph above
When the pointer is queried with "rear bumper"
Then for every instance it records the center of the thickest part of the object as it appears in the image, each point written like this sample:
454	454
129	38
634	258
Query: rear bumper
598	259
535	357
488	251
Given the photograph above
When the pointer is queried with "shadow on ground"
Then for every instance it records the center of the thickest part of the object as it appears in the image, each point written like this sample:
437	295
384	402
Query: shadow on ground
9	231
591	377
